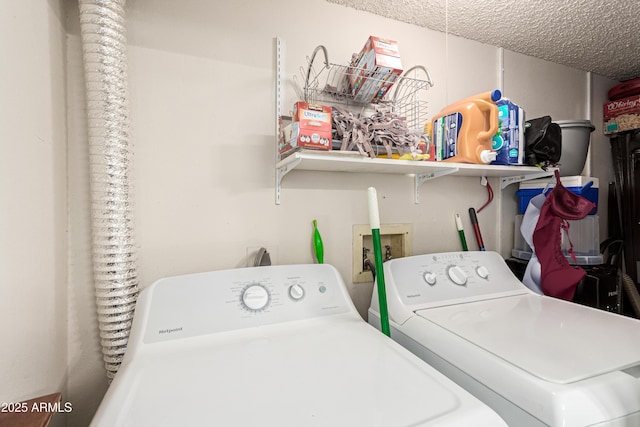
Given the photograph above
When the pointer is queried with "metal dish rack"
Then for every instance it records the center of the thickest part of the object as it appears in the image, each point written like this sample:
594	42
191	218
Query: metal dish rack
328	83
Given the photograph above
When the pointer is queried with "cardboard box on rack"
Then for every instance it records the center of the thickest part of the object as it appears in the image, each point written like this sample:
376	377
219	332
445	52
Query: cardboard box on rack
310	128
377	68
621	114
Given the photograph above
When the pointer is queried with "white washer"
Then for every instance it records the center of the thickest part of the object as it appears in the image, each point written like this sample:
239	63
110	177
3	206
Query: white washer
535	359
272	346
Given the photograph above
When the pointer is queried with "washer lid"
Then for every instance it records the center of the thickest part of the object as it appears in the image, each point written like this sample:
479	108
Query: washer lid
552	339
309	373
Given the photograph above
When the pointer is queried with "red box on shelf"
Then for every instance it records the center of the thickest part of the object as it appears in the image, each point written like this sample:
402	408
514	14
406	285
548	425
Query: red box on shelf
310	128
622	114
377	68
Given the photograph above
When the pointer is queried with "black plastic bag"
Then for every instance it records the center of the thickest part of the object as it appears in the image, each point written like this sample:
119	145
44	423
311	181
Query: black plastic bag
543	142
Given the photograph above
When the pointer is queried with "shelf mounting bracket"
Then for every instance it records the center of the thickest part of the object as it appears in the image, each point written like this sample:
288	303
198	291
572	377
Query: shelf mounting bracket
280	173
421	178
506	181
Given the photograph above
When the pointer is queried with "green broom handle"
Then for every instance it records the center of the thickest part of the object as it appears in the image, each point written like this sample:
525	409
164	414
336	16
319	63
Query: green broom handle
374	220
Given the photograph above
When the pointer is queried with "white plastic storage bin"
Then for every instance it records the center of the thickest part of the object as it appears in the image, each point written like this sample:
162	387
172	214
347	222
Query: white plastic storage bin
583	233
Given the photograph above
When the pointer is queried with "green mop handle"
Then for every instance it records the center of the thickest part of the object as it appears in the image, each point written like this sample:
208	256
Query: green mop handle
374	220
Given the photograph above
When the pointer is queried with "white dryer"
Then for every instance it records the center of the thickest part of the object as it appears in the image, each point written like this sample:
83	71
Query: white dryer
272	346
536	360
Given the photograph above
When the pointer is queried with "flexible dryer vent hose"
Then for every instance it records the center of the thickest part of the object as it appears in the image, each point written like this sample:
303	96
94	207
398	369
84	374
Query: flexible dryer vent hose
102	25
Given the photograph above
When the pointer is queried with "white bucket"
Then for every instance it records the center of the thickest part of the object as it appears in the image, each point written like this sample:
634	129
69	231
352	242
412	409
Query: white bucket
576	135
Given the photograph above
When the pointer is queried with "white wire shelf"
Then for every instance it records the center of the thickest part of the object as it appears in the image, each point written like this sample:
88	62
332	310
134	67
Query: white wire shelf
422	170
328	82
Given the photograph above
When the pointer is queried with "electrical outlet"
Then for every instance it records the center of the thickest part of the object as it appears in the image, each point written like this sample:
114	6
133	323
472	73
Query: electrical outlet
396	241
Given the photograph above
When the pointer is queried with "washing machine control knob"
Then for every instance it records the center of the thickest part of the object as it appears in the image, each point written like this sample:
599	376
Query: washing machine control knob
296	292
457	275
255	297
430	278
482	271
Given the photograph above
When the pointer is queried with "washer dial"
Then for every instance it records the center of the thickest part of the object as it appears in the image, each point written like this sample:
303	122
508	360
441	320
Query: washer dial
457	275
482	271
255	297
296	292
430	278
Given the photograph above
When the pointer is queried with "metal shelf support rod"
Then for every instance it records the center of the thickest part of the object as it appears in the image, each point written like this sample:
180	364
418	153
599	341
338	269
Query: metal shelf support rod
279	88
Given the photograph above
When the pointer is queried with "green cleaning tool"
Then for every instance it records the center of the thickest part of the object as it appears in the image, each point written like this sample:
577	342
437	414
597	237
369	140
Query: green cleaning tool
463	239
317	243
374	220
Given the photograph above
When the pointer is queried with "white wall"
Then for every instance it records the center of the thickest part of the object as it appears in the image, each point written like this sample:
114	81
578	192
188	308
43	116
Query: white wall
202	90
33	215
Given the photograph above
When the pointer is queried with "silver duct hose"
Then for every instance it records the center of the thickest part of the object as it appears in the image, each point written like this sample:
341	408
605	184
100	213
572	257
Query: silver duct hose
102	25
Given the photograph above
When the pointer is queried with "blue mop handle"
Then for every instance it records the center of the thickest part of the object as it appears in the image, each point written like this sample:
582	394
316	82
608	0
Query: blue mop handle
374	220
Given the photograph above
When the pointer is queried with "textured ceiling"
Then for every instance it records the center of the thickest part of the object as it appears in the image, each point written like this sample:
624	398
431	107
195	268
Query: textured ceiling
590	35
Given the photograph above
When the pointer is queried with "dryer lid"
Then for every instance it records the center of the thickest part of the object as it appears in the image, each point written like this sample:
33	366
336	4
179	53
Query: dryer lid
311	373
552	339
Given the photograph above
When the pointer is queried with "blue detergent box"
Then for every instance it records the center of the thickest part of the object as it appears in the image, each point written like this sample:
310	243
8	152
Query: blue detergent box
509	140
585	186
